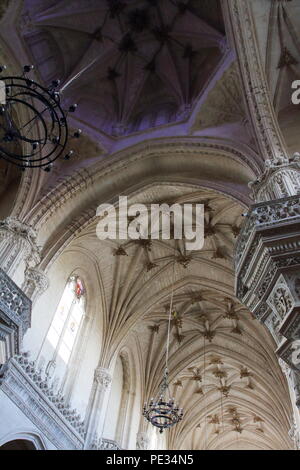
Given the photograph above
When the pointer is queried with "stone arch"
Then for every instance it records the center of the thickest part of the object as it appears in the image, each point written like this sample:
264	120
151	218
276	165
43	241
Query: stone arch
188	160
22	441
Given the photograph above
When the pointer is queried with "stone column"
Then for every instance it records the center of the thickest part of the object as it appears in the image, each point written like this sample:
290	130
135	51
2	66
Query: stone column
97	407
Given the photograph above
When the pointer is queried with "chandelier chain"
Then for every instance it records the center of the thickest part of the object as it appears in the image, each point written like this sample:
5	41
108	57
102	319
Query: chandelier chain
170	313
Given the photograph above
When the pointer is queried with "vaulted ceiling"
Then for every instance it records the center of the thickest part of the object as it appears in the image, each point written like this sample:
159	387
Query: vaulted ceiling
143	63
277	27
222	367
147	73
137	69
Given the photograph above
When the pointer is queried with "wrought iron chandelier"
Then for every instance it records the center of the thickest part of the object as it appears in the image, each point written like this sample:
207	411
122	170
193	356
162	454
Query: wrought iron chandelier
162	411
33	124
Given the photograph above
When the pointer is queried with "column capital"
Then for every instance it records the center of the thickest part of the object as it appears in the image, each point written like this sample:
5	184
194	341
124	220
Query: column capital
18	240
142	441
19	228
102	377
35	282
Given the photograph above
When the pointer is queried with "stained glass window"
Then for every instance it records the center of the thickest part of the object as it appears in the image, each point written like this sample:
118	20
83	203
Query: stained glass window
67	320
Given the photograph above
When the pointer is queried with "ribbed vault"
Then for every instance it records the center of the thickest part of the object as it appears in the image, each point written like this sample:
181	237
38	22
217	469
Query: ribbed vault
223	370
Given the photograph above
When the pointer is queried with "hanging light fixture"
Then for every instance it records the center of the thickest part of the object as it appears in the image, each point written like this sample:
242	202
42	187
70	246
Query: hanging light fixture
33	125
162	411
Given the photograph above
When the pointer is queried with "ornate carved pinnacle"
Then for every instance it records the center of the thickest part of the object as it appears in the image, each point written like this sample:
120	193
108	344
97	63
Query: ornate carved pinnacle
281	178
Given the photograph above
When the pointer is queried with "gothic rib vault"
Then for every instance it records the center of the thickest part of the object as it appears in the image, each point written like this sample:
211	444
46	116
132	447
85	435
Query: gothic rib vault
200	141
221	358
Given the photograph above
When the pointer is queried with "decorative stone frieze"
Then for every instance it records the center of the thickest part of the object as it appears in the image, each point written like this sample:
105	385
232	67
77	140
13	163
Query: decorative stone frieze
104	444
25	386
15	315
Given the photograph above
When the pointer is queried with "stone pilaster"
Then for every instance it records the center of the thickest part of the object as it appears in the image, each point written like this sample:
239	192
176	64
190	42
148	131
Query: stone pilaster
97	406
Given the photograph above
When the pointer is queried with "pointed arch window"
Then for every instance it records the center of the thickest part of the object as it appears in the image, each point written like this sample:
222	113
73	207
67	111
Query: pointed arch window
66	324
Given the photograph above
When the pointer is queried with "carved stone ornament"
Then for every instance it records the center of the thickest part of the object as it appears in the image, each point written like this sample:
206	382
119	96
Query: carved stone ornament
36	282
33	393
280	179
296	382
296	352
20	238
15	306
142	441
281	299
295	435
17	227
102	377
104	444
